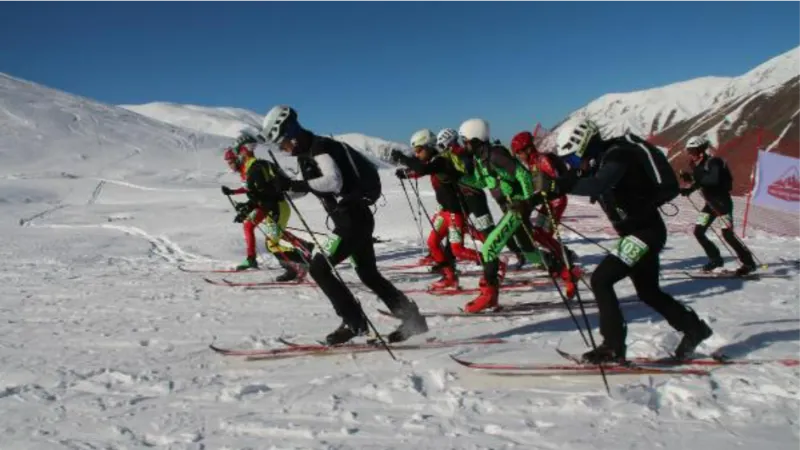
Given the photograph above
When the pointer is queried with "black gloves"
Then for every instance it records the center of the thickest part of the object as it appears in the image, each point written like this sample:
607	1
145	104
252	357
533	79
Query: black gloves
242	211
299	186
401	173
226	190
398	156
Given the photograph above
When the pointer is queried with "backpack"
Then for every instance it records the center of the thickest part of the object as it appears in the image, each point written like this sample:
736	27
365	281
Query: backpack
369	180
658	169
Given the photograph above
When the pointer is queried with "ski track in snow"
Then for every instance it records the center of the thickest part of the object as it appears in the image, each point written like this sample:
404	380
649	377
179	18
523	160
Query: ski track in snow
103	344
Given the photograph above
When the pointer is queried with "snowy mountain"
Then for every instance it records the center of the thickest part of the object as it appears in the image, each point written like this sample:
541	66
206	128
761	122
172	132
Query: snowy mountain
221	121
228	121
652	111
44	129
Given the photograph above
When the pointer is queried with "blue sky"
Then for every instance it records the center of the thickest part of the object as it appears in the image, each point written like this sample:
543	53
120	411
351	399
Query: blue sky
387	68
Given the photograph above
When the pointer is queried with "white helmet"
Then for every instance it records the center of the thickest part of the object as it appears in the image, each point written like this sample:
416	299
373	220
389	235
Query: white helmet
474	129
446	138
279	121
697	142
574	137
423	138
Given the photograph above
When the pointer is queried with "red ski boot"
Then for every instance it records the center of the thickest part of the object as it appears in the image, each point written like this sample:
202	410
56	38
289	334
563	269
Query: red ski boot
448	280
486	299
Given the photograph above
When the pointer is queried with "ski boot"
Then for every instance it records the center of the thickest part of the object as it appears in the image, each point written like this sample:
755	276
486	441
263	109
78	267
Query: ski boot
345	333
604	354
413	323
691	339
485	300
712	264
292	272
249	263
449	279
427	260
521	260
438	267
746	269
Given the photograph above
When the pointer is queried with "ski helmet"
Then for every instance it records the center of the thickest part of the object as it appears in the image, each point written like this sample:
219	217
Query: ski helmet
522	141
232	158
423	138
279	123
573	140
474	129
697	144
446	137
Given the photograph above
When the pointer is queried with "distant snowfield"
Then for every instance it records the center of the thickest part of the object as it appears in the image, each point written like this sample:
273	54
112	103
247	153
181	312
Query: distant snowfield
104	342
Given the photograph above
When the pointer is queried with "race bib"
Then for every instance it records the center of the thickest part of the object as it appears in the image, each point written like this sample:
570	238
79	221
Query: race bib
483	222
630	250
454	235
703	219
273	231
438	223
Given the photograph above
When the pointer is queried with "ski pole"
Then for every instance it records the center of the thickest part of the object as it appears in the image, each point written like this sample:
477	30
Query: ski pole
567	262
330	264
590	240
713	229
529	235
413	216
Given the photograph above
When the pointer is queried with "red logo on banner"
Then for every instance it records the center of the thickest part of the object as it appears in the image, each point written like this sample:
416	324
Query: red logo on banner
787	187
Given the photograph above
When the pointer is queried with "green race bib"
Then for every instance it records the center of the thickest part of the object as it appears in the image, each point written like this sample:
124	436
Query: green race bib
630	250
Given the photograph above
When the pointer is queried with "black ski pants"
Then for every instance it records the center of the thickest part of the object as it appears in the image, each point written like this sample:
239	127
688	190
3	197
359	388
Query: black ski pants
721	208
352	238
636	256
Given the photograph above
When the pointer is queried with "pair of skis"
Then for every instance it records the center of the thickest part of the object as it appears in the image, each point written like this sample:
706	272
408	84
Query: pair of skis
634	366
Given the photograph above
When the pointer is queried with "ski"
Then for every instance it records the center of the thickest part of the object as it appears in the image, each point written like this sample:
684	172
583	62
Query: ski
230	283
730	274
293	349
553	369
514	310
510	285
188	270
716	359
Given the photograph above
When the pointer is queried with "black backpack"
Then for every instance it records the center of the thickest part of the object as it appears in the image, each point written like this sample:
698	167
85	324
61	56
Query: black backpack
658	169
369	180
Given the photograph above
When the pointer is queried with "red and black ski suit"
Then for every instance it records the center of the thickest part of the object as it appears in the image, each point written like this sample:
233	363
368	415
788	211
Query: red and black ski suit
549	166
255	218
449	220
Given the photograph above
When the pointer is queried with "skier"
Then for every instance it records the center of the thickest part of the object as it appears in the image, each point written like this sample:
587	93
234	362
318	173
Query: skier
449	219
347	184
712	176
509	181
267	204
630	179
239	157
548	166
473	197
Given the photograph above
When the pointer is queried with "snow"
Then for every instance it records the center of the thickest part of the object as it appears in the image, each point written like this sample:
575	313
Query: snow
645	112
103	342
229	121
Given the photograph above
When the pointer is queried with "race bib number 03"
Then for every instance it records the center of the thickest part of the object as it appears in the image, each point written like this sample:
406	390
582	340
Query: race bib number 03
630	250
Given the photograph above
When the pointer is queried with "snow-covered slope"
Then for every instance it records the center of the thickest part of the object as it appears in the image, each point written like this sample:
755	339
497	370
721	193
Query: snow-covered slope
228	122
46	130
651	111
104	342
222	121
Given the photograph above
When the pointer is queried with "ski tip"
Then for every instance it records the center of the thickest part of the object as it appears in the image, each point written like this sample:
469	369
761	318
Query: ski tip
463	362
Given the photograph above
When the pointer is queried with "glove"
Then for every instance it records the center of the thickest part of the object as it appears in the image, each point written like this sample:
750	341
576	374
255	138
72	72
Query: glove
299	186
242	211
226	190
685	176
401	173
282	183
398	156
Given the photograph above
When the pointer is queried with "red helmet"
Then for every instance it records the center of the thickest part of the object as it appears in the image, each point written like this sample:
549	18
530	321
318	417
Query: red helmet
230	155
522	141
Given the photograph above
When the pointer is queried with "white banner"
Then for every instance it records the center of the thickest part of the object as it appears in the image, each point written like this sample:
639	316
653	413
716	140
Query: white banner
777	182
